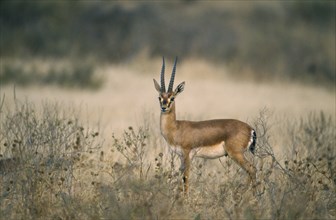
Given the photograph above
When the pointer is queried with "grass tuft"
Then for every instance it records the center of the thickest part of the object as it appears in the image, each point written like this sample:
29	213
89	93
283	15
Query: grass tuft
51	166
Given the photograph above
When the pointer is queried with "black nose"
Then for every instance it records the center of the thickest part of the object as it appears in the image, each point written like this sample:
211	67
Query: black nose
163	109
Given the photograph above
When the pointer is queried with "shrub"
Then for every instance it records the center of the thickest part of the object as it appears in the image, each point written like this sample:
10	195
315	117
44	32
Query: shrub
75	75
296	38
42	160
52	167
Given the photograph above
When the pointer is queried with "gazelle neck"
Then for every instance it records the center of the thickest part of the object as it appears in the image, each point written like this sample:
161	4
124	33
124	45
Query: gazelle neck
168	124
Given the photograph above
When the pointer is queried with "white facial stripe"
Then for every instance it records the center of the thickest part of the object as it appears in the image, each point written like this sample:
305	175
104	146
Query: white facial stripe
166	101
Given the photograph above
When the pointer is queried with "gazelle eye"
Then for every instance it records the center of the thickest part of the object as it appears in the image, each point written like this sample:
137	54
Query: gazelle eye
172	99
160	99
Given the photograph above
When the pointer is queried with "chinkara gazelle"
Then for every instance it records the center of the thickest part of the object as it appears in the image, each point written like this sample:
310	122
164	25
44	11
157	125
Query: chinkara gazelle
207	139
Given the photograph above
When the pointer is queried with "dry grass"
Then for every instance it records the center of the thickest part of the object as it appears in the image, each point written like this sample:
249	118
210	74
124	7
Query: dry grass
51	166
210	83
74	74
57	162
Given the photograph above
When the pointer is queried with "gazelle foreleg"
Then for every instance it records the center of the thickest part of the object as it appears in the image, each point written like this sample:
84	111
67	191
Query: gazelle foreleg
185	170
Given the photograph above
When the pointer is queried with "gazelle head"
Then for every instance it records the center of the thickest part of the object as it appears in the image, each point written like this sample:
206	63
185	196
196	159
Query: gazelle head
167	98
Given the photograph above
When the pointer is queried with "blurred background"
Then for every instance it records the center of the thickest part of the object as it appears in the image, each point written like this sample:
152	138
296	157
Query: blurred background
261	40
79	114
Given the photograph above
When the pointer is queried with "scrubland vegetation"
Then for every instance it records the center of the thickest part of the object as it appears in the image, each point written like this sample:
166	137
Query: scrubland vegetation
89	60
63	74
292	40
52	166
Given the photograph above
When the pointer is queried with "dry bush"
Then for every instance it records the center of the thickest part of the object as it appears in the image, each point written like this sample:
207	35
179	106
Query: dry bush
141	188
285	190
47	172
77	74
42	157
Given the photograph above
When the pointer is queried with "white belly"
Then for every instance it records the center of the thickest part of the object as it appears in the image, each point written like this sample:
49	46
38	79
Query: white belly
209	152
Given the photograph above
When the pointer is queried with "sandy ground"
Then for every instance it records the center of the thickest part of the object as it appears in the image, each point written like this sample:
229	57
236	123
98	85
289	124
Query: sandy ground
128	96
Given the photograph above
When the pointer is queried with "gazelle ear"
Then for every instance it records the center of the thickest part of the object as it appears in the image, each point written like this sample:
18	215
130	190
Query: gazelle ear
157	86
179	88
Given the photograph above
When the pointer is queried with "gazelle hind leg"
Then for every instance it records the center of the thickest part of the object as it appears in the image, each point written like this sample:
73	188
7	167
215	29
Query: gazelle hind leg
240	159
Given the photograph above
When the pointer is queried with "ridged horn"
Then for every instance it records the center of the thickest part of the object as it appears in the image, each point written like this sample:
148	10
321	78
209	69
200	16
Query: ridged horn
171	83
163	87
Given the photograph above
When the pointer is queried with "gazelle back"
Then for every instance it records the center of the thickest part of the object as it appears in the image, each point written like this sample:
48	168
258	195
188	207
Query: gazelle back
207	139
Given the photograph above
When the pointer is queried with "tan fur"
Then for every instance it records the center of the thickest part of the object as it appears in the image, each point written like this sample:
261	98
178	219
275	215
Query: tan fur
207	139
